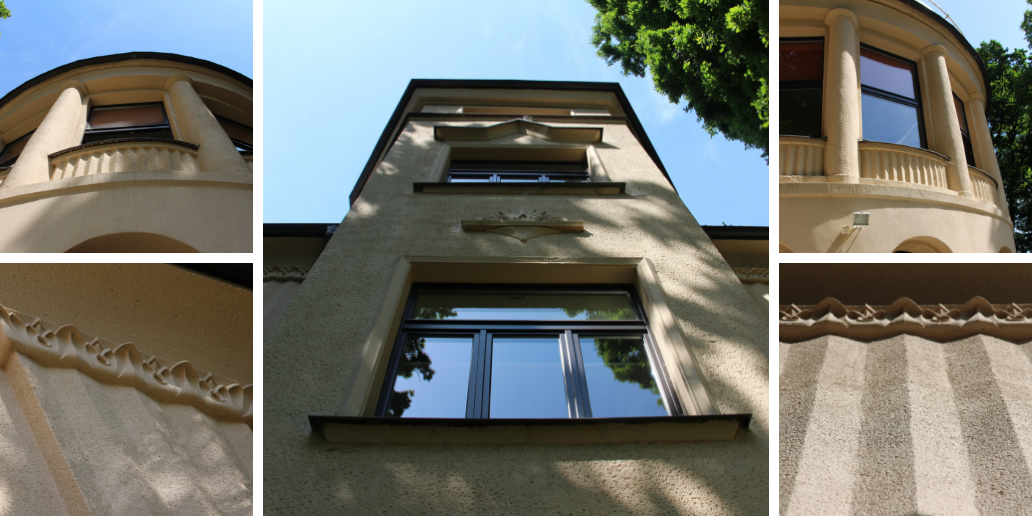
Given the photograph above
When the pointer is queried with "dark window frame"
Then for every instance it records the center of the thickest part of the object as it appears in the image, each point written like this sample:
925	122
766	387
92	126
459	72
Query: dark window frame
569	332
807	85
494	172
12	161
127	131
898	99
243	147
965	134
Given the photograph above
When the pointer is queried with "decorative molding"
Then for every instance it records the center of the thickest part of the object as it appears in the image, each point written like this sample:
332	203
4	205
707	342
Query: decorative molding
519	126
284	273
67	347
934	322
523	225
753	274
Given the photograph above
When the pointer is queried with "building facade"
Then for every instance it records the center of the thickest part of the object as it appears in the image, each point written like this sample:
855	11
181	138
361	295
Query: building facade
884	143
136	152
518	315
125	389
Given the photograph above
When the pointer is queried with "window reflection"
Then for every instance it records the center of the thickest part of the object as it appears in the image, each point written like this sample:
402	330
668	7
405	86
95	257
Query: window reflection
890	122
620	378
890	105
527	378
527	306
431	387
801	65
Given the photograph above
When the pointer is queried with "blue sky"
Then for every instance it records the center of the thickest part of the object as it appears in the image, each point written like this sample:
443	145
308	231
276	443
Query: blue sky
42	35
335	71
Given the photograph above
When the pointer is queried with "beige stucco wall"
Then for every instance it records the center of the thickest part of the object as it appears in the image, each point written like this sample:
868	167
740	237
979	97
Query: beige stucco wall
323	329
814	202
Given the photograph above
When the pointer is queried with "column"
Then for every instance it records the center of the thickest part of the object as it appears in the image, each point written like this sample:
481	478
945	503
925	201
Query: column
842	113
60	129
944	117
980	127
197	125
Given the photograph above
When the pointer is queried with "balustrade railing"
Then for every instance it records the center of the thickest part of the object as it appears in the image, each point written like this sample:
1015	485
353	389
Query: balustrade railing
982	185
801	156
891	162
123	156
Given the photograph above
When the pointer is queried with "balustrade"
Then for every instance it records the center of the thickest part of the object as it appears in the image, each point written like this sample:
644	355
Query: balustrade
135	156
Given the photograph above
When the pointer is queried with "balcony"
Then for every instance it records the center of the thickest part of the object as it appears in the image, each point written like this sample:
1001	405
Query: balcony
801	157
126	155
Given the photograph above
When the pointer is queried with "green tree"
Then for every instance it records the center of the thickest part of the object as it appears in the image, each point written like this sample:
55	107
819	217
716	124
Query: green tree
711	53
1010	124
4	13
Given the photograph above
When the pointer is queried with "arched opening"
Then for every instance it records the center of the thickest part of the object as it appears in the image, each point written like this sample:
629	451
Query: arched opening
132	243
1005	249
782	248
922	245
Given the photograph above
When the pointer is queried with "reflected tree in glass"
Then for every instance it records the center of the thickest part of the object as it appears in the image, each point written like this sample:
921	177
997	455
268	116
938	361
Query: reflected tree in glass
634	391
413	360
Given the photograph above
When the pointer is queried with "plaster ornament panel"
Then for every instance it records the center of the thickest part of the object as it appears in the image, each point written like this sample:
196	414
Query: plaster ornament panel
942	323
523	224
66	347
284	273
522	127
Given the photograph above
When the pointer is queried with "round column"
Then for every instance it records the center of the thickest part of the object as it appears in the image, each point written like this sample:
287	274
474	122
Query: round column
980	127
60	129
842	105
948	140
197	125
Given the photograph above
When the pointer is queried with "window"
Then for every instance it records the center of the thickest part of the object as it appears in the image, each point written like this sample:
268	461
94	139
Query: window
525	352
518	172
241	135
891	105
127	121
969	153
801	65
12	150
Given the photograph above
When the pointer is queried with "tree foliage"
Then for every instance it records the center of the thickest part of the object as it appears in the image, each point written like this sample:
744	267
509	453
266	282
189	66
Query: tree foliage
4	13
1010	124
711	53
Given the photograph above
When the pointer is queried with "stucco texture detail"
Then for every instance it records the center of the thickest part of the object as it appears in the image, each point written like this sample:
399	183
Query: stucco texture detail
322	330
166	311
905	425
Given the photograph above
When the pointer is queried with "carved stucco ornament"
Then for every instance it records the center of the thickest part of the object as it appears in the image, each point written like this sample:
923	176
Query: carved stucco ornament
523	224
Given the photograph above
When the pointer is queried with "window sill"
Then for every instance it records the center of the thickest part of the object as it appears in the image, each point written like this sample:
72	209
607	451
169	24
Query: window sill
591	188
377	430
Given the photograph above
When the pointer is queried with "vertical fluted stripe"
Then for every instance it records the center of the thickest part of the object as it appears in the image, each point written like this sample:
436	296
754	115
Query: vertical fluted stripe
941	469
885	461
797	389
998	465
782	355
1014	378
826	474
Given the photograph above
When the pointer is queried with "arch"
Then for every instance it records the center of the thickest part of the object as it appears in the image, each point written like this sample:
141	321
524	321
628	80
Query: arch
922	245
131	243
1005	249
782	248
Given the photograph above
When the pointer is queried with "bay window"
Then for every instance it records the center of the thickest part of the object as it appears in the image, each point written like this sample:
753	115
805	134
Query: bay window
801	65
127	121
969	153
890	99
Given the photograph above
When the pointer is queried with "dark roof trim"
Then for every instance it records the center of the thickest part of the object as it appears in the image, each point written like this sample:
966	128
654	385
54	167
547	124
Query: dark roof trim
317	230
737	232
387	137
956	33
128	56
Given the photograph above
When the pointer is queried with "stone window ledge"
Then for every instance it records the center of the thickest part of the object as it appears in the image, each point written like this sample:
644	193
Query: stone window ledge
377	430
590	188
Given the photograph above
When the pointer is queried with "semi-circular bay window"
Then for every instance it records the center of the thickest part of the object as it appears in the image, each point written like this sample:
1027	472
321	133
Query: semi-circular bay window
127	121
890	99
801	65
525	352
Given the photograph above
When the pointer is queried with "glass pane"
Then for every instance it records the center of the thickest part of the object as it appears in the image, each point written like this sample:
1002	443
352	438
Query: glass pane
800	113
886	73
13	150
237	131
129	116
163	134
527	378
890	122
524	306
433	377
961	114
802	61
620	379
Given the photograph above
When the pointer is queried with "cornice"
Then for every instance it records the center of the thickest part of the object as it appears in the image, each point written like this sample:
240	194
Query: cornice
934	322
753	274
284	273
67	347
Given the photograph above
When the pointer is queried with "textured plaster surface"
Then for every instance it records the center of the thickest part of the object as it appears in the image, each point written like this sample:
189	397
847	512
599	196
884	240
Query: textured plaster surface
129	454
165	311
314	349
906	426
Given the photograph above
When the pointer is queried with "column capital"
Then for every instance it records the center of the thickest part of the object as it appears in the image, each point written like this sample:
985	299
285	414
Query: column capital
934	49
77	85
842	13
977	97
177	78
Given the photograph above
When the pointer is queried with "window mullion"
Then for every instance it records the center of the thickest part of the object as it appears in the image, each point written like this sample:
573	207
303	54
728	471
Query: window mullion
484	376
570	378
475	369
580	375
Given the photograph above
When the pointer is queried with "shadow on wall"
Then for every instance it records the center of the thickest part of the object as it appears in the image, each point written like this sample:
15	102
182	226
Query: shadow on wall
132	243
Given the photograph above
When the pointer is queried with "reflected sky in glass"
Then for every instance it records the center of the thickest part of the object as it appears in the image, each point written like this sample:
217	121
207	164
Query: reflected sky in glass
886	73
886	121
620	380
433	378
524	306
527	378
